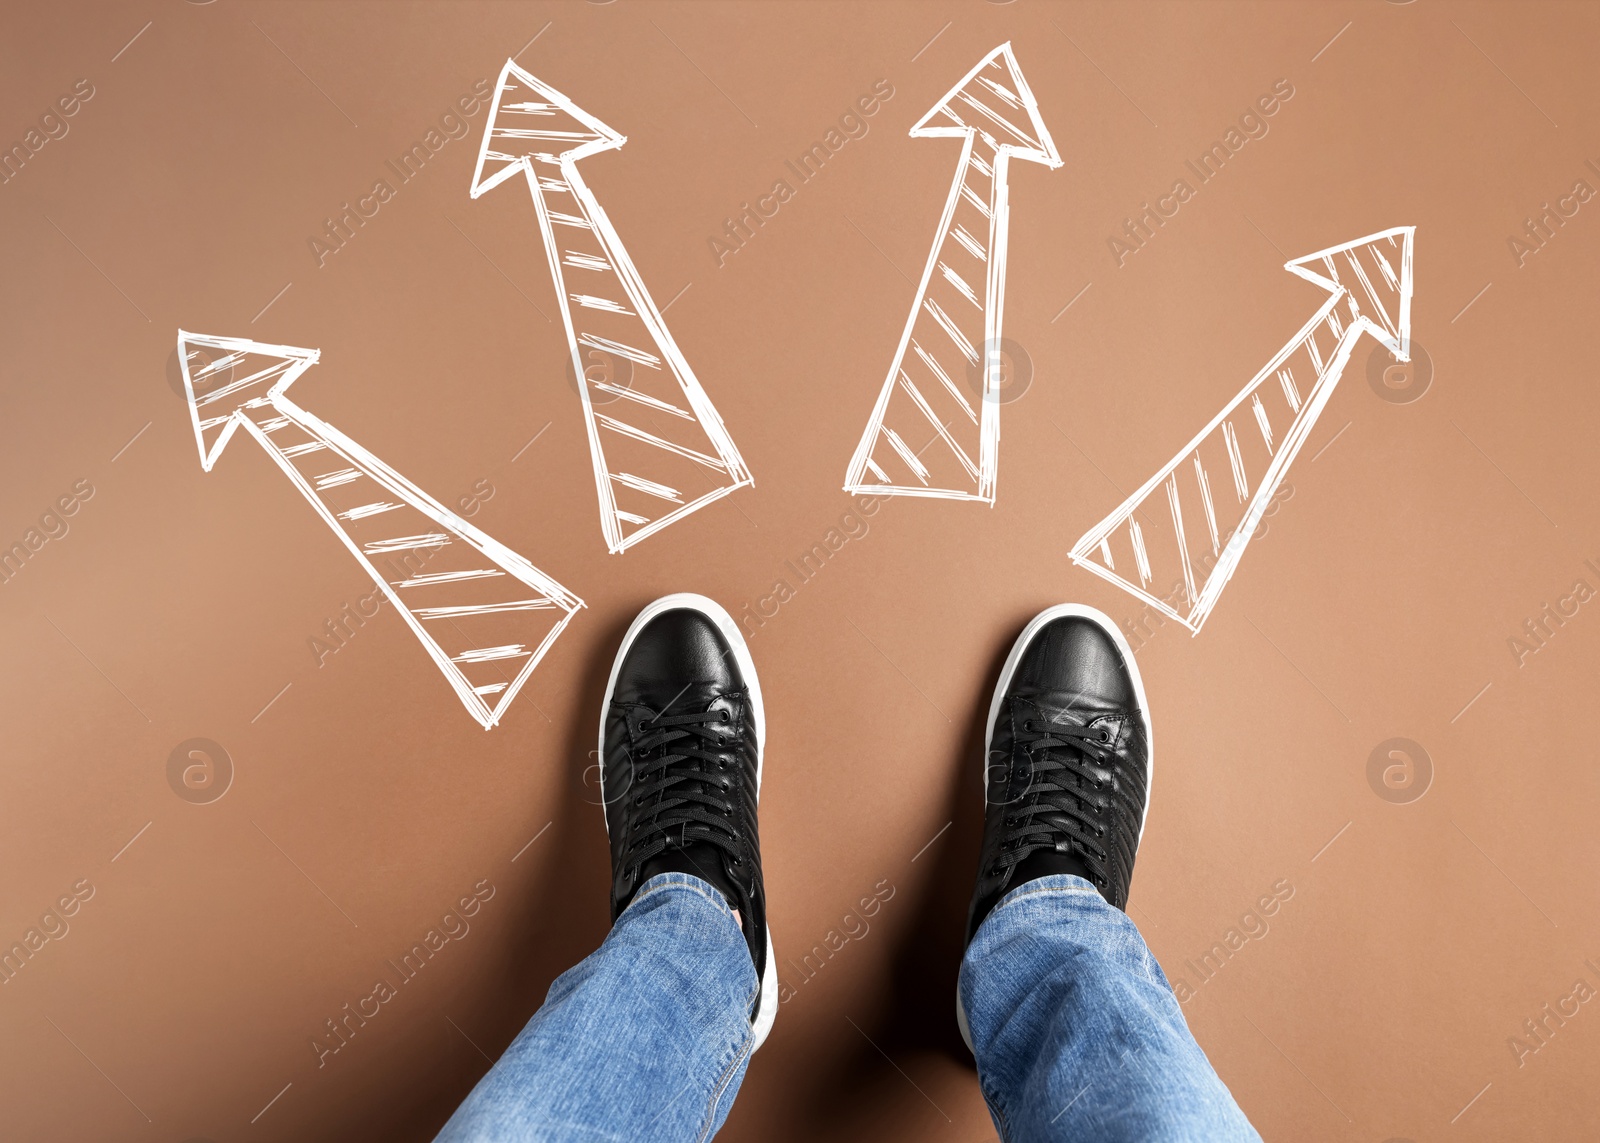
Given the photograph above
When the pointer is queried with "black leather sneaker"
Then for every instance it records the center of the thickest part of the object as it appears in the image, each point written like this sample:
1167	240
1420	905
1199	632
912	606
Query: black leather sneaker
1068	753
681	734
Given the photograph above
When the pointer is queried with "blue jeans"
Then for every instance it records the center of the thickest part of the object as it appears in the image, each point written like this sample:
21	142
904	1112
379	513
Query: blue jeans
1075	1029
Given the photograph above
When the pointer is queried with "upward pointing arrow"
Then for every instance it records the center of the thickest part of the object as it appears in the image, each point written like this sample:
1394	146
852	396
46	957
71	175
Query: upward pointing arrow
660	450
924	437
484	614
1176	541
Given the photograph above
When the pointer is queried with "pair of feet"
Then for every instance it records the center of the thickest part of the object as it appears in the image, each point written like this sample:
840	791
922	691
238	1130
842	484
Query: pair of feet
1066	779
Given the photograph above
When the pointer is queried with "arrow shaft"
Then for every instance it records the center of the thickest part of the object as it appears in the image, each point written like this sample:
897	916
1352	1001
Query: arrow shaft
1211	499
1294	439
934	345
1324	378
1197	514
376	512
586	254
553	256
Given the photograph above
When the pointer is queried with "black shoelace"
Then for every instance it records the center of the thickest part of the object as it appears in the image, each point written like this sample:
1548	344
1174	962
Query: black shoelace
682	792
1069	792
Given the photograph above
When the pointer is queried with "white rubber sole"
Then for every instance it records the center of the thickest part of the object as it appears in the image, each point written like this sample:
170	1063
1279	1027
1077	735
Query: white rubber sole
1049	615
767	1006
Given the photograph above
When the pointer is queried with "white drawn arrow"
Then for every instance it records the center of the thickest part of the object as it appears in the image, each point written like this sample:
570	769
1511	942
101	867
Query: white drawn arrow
955	322
660	451
484	613
1183	533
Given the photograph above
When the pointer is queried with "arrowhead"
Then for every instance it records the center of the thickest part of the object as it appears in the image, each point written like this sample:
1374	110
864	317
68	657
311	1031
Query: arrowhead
532	120
1376	273
224	375
994	101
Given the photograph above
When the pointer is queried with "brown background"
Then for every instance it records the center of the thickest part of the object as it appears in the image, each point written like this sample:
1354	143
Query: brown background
365	801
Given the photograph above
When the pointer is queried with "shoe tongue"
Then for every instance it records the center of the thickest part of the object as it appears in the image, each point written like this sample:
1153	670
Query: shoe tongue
698	859
1044	862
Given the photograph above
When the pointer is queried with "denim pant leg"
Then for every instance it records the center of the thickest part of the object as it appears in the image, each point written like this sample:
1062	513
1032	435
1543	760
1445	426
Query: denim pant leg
646	1039
1076	1030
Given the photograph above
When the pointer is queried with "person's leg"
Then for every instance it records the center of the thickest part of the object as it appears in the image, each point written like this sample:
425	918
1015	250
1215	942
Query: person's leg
648	1038
1075	1029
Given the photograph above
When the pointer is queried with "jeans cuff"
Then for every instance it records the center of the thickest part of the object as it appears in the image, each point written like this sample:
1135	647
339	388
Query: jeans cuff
1051	885
662	882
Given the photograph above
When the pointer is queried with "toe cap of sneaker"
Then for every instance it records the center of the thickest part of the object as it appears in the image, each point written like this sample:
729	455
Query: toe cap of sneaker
1075	659
678	655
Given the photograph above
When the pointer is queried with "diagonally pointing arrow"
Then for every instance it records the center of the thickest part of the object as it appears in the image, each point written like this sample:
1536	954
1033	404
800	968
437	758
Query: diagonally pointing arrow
659	449
955	323
1187	528
484	613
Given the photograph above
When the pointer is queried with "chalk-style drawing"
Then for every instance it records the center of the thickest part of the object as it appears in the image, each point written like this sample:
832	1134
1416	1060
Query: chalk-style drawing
927	435
485	614
660	450
1190	522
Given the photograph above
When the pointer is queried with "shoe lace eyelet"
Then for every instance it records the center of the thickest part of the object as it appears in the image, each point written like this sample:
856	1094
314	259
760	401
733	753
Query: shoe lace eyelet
724	716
